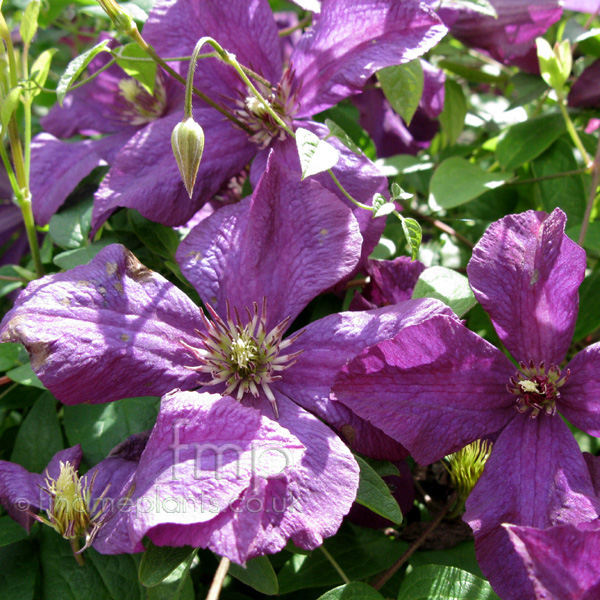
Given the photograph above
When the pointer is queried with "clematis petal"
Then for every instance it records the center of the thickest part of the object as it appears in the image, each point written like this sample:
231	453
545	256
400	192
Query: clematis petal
290	241
561	562
535	476
327	345
203	455
580	395
21	491
585	92
244	27
526	272
57	167
108	330
145	176
435	387
334	58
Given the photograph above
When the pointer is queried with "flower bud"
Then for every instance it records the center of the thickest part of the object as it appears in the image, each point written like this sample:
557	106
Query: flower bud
555	63
187	141
121	19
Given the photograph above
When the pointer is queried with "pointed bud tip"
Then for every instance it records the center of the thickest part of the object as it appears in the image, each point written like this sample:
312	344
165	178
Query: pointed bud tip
187	141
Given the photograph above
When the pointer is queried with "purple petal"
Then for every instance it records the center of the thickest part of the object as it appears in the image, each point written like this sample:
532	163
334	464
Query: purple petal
334	58
586	6
108	330
145	175
435	387
21	491
593	464
113	479
57	167
561	562
526	272
289	242
244	27
390	281
327	345
510	37
580	395
585	92
535	476
203	455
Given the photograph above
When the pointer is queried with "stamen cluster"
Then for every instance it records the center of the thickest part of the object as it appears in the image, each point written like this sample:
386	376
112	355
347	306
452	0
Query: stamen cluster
254	115
137	105
246	357
537	387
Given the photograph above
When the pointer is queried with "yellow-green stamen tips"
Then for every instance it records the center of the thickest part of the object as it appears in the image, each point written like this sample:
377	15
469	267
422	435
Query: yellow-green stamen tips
465	468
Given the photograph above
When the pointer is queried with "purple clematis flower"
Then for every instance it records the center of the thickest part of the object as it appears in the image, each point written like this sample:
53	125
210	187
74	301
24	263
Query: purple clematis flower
90	506
126	331
437	387
562	561
585	92
510	38
330	62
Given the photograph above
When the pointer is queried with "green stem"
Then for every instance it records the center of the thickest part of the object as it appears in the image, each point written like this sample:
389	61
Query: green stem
591	196
75	547
572	132
300	25
335	565
137	37
25	206
546	177
7	163
346	194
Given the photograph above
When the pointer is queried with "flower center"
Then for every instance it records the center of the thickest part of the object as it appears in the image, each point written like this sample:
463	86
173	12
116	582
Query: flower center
252	112
137	105
536	388
246	358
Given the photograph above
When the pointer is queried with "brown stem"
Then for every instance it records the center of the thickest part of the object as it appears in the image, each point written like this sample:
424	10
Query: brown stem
449	230
217	582
379	582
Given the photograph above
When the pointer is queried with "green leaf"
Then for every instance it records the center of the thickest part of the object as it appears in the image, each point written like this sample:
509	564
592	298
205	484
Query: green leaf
19	571
80	256
336	131
100	427
70	228
452	118
403	87
177	586
258	574
9	105
457	181
39	437
29	23
142	71
10	531
588	318
434	582
401	164
40	70
525	141
461	556
383	468
446	285
158	238
76	67
352	591
25	376
359	551
374	493
158	562
316	155
568	193
9	355
103	577
7	286
412	233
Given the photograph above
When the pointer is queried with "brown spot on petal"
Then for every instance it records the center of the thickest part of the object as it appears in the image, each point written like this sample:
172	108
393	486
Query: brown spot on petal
66	301
102	290
39	352
124	337
195	255
118	286
349	433
111	268
135	269
83	283
535	276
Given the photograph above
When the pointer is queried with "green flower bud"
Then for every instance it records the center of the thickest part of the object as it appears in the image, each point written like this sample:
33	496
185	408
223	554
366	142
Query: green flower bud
121	19
555	63
465	468
187	141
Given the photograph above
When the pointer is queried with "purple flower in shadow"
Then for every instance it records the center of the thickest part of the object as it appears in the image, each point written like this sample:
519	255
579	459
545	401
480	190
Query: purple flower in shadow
89	507
122	331
437	387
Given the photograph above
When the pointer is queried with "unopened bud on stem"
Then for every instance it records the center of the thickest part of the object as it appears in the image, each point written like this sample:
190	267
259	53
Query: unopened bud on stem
187	141
121	19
